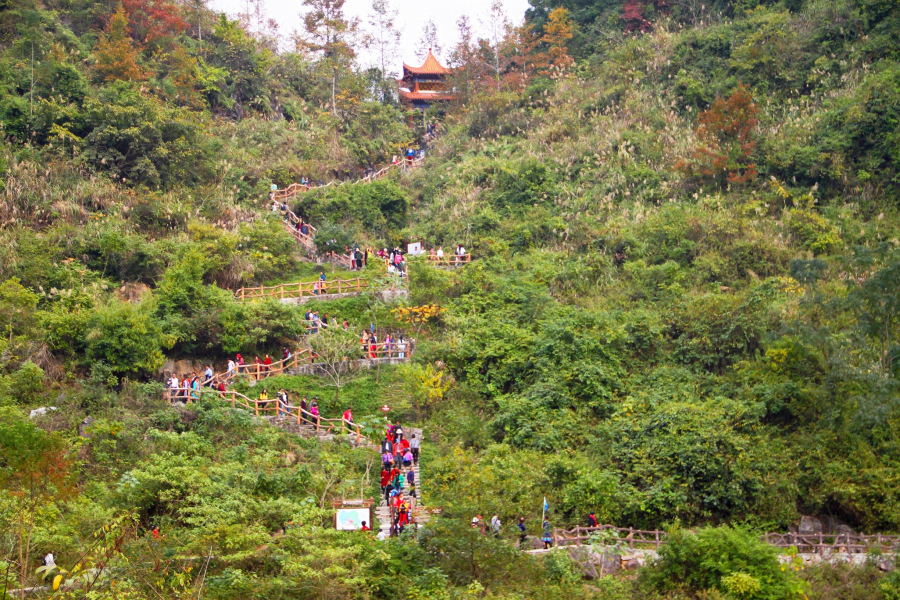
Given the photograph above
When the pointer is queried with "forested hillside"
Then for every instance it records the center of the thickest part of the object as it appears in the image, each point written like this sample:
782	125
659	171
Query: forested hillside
682	310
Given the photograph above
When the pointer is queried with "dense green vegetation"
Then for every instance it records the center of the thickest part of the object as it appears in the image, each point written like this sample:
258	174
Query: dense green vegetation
683	311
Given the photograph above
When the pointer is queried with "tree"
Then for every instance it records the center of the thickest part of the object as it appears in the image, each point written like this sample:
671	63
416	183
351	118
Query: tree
34	471
127	337
464	60
632	14
493	51
384	37
727	135
557	32
115	56
334	348
328	33
151	20
879	302
138	138
429	41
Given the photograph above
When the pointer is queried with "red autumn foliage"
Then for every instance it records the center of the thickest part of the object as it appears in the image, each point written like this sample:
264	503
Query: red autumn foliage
727	132
150	20
634	14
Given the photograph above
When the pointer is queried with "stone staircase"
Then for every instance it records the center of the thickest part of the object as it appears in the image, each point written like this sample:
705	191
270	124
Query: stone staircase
308	431
383	511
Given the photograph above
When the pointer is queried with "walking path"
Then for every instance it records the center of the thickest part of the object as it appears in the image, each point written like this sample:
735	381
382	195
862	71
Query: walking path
818	543
295	188
420	514
302	361
298	421
303	291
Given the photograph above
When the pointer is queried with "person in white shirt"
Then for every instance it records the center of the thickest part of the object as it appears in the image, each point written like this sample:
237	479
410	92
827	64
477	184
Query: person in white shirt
440	252
49	560
460	251
231	367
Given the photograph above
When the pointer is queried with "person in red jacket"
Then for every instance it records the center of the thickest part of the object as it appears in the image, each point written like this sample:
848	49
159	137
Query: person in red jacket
348	420
385	479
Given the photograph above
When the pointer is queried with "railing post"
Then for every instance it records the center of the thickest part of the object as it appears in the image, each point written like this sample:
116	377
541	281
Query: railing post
256	407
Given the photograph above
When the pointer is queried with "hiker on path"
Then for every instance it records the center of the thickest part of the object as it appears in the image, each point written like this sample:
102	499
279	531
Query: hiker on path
523	533
414	446
495	526
385	476
592	520
546	536
348	420
314	410
283	403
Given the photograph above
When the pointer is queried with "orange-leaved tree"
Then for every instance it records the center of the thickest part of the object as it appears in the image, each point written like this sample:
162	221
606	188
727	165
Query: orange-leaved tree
557	33
727	133
115	56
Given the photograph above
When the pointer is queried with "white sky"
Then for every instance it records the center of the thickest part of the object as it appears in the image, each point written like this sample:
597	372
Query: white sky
412	18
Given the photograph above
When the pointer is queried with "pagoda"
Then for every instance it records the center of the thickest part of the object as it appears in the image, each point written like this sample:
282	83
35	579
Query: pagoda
423	86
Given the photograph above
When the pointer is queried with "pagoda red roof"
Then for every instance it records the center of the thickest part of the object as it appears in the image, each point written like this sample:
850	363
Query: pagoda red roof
431	66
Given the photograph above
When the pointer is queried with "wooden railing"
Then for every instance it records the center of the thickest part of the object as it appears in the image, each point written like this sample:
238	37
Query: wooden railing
303	289
451	260
301	357
305	239
295	188
811	543
267	408
835	542
626	535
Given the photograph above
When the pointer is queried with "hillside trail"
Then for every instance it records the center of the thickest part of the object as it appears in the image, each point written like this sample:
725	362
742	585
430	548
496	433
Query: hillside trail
420	514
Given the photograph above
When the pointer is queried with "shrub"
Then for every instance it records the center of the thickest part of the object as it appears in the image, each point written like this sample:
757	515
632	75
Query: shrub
730	560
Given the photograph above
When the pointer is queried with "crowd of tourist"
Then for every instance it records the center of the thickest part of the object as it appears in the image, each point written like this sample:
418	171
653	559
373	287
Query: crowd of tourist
398	456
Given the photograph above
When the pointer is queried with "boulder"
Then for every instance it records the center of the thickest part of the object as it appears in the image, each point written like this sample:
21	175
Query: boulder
584	557
83	427
40	412
809	526
608	562
844	530
631	562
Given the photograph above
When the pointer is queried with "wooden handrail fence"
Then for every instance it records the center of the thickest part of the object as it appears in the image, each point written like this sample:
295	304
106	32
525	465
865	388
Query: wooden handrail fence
301	357
265	408
295	188
303	289
848	543
450	260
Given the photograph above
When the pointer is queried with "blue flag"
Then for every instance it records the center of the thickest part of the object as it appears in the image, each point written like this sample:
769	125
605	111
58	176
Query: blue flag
546	506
